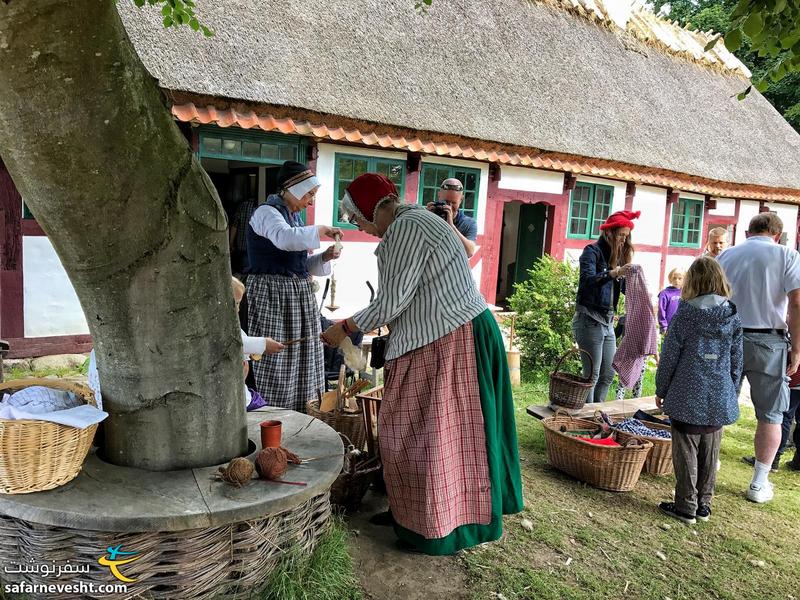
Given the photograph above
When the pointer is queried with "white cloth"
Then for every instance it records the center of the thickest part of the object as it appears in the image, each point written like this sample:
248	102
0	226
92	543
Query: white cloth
94	379
299	190
426	289
269	223
79	416
40	399
761	274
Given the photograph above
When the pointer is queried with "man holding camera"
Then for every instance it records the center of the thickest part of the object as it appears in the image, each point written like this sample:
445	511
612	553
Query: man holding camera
448	206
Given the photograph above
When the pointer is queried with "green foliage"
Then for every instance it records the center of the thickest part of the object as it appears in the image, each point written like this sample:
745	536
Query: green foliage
177	13
765	35
545	304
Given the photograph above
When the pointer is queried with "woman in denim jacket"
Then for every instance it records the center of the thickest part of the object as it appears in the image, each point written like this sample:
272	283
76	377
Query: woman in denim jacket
698	378
602	266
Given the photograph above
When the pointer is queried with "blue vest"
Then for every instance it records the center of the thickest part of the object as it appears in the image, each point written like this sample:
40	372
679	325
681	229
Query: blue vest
265	258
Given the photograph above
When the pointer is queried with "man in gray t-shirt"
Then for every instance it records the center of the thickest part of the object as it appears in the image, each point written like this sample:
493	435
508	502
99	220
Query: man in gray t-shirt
765	279
466	228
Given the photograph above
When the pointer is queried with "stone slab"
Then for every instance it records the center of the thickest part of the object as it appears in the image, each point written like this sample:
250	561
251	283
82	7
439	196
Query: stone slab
58	361
105	497
615	408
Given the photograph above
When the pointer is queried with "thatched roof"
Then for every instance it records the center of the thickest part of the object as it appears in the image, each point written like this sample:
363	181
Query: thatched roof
506	71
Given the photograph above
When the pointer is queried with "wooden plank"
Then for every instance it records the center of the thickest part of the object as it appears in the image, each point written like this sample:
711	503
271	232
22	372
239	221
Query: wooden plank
615	408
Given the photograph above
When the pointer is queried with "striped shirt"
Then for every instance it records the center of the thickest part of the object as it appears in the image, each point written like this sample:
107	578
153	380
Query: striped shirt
426	288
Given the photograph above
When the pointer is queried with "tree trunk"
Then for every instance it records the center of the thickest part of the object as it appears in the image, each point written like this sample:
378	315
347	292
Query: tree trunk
138	226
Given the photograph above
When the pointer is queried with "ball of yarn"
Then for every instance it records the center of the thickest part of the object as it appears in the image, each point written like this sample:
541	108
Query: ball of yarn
238	472
271	463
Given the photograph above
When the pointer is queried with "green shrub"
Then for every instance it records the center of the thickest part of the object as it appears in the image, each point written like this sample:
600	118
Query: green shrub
545	305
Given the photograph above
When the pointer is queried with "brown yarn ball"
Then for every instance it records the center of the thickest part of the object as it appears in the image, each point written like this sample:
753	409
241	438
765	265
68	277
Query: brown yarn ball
271	463
238	472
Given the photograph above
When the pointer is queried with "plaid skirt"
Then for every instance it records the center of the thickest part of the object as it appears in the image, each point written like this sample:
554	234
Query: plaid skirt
432	440
284	308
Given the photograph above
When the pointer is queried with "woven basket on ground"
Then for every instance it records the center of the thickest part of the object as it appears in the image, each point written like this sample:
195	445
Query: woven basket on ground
346	422
349	488
616	469
40	455
568	390
659	460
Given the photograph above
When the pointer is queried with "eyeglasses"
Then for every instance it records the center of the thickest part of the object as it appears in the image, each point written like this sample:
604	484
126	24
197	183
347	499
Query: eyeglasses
452	187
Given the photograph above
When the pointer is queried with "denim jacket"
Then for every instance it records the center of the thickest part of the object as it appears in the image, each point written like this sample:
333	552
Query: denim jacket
700	371
597	290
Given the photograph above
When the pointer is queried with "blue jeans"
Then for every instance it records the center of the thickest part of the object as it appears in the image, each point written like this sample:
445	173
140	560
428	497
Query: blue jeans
600	343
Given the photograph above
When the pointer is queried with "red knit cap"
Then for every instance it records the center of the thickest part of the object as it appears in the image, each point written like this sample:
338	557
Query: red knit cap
367	190
622	218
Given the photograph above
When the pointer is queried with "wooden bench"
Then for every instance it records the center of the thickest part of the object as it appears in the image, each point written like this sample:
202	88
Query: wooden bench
615	408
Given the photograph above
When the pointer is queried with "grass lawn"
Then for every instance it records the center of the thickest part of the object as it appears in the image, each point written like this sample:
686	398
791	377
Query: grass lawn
612	539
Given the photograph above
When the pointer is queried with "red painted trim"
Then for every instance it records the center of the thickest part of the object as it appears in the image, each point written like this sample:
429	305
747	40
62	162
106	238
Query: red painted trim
310	210
12	316
490	242
736	215
665	237
32	227
45	346
354	235
412	186
630	193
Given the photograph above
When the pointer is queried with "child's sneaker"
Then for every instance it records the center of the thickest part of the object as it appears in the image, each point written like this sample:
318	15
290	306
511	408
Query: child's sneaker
703	513
760	493
668	508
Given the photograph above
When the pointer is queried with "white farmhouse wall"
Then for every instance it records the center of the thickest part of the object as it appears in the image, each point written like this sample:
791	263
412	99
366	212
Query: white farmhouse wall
50	305
652	202
788	214
747	210
726	207
531	180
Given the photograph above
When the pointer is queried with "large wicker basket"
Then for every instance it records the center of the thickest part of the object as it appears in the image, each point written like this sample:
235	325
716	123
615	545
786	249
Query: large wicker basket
351	424
568	390
40	455
616	469
659	460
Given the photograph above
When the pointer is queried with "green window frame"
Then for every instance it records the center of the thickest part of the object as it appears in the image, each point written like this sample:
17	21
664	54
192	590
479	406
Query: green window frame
430	181
349	166
247	146
686	223
589	206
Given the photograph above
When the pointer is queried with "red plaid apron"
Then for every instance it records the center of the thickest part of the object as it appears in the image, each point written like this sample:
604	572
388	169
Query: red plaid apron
432	439
640	338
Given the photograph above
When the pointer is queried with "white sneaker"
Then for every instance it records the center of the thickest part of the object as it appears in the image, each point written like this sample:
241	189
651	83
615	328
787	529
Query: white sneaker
760	493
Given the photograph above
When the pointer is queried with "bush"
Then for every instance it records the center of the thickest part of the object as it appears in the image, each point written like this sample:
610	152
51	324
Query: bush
545	305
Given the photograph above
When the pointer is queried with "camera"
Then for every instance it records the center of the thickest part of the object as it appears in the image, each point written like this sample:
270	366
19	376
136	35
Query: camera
438	209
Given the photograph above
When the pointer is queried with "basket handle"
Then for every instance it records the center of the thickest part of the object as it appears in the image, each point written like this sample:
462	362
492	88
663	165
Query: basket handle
56	384
573	350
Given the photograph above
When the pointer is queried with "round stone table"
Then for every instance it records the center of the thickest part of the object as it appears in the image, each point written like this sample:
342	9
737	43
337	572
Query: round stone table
191	535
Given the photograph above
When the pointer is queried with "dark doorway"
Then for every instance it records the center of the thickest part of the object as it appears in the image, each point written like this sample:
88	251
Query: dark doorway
522	243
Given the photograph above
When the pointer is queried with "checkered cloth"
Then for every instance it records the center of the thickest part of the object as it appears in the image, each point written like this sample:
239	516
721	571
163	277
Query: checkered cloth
640	339
432	440
284	308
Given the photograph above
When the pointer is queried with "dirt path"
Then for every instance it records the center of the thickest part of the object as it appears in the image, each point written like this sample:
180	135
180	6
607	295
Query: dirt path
387	573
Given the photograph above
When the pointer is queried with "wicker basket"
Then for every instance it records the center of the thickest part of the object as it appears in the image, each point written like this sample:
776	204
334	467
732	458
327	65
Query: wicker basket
348	423
349	488
659	460
568	390
616	469
40	455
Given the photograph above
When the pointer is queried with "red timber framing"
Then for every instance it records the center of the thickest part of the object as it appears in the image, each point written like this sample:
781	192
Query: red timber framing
489	242
12	323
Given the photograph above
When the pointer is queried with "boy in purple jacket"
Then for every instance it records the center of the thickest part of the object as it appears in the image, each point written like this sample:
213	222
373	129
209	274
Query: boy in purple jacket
668	299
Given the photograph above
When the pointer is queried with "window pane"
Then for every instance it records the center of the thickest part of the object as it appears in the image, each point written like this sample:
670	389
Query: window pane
288	152
252	149
269	151
211	144
360	166
345	171
468	204
232	147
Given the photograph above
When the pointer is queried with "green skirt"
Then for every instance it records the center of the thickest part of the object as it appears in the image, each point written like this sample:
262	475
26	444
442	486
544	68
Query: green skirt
497	405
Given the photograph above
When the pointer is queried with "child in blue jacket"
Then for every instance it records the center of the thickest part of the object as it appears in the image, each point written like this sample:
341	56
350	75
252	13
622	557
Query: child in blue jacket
697	385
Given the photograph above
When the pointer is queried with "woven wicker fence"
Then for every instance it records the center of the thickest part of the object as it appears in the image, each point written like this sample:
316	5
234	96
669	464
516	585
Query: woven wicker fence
232	561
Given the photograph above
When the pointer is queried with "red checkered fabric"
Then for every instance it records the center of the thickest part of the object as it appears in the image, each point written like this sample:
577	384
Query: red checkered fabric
640	339
432	439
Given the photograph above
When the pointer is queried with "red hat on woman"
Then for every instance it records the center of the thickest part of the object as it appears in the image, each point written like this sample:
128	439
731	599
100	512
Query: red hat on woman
365	193
621	218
